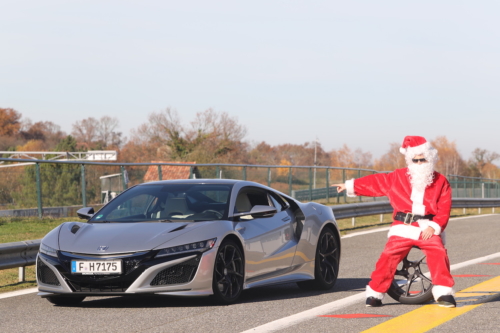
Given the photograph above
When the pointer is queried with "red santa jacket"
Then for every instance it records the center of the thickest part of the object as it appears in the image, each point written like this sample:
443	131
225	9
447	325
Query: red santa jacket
435	200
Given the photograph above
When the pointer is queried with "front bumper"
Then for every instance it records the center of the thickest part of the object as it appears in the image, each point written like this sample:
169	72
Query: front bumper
187	275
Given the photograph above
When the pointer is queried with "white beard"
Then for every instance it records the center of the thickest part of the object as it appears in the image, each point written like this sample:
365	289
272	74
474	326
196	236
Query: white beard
421	175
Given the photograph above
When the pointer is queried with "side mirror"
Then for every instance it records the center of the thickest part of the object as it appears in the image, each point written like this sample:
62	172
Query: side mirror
85	213
262	211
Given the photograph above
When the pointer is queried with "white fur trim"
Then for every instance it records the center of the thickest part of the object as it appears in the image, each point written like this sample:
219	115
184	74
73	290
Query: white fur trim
405	231
418	209
349	187
402	150
417	197
438	291
436	227
372	293
423	224
418	150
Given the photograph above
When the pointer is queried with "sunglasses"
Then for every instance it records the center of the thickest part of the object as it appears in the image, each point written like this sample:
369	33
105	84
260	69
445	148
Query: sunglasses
416	160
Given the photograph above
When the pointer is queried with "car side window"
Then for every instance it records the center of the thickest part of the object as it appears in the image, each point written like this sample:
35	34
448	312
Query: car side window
276	203
248	198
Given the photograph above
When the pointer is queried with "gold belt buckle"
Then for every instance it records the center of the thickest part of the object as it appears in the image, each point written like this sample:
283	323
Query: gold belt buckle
408	218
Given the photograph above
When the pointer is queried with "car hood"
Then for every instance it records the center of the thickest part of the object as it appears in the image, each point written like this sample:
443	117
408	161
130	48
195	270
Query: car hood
119	237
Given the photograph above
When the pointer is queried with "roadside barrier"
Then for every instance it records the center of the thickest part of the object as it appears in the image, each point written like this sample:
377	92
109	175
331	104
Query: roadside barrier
22	254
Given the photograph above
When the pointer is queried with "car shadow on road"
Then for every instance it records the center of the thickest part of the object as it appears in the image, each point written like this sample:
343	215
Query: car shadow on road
255	295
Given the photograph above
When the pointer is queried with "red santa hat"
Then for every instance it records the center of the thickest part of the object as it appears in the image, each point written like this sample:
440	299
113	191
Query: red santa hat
415	145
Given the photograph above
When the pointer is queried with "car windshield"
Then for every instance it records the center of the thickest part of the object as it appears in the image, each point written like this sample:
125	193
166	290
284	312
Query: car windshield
168	203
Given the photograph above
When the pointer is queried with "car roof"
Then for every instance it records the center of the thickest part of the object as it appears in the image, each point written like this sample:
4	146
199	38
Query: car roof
196	181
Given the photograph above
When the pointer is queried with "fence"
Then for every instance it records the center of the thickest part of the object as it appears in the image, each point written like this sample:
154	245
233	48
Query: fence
70	183
48	183
474	187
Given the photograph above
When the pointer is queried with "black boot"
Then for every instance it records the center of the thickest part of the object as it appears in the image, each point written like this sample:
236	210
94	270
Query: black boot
447	301
373	302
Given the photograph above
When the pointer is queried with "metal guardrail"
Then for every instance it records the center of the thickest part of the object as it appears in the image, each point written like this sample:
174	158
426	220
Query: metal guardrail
20	254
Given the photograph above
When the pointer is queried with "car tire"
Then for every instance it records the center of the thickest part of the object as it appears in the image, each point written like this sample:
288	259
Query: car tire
65	300
418	287
326	265
227	283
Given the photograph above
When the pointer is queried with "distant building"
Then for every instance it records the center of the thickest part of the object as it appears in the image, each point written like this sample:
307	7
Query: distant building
169	172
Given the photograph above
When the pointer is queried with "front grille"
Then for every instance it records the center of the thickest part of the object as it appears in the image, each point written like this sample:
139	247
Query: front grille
45	274
100	286
181	273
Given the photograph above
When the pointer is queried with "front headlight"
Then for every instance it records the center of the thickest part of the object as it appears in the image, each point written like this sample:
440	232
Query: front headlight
48	250
192	247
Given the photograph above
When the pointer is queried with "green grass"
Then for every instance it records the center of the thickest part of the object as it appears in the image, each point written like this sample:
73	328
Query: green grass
15	229
20	229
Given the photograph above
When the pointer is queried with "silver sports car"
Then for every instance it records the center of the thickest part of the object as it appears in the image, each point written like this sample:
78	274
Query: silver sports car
190	238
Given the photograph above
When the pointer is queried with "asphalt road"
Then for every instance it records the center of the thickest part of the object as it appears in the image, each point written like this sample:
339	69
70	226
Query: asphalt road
467	239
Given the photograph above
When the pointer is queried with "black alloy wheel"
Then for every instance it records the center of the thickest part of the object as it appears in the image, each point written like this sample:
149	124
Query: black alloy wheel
65	300
410	285
326	268
227	282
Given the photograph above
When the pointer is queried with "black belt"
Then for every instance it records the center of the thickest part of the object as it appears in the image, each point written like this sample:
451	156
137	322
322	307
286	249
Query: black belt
408	218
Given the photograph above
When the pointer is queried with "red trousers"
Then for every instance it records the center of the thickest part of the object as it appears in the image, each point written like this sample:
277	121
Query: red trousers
397	248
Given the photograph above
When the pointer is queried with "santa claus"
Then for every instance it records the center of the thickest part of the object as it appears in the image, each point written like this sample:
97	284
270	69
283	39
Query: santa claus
421	198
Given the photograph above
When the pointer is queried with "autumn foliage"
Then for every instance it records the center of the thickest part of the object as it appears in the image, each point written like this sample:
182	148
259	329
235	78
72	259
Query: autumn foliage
217	137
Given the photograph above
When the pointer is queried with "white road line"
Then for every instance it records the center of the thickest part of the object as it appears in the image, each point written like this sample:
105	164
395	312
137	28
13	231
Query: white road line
354	234
18	292
336	305
361	233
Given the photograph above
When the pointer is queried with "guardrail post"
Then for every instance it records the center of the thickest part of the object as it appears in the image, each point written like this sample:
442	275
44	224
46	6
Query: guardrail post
269	177
310	184
290	181
381	218
38	190
22	274
160	175
84	186
217	172
328	185
353	221
190	172
245	172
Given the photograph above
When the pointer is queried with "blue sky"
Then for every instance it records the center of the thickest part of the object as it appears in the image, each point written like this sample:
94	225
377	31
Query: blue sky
363	73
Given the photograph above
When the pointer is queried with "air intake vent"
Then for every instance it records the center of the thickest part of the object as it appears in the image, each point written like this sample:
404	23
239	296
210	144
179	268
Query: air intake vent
45	274
181	273
179	228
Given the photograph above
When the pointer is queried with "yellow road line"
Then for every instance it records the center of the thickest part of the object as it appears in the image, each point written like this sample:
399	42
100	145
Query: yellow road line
432	315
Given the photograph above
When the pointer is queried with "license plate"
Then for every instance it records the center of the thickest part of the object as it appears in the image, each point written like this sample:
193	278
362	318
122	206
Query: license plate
96	267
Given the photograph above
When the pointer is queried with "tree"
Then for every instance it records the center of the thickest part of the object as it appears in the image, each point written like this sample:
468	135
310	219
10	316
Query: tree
345	157
391	160
9	122
91	133
212	136
46	132
106	132
85	132
481	162
449	162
